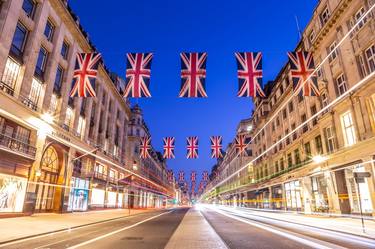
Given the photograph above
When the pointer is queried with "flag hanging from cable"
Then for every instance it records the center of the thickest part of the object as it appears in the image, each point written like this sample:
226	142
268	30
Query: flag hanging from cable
193	176
168	147
84	75
145	147
192	147
170	175
216	146
205	176
138	73
250	73
240	144
181	176
302	73
193	75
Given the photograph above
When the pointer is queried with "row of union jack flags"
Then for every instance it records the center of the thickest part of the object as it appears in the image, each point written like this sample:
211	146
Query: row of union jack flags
193	176
193	74
192	146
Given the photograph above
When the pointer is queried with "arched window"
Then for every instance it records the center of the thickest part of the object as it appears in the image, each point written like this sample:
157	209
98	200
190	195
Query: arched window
50	161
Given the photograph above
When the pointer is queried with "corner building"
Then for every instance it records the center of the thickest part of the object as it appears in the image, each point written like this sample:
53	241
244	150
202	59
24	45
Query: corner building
312	170
57	154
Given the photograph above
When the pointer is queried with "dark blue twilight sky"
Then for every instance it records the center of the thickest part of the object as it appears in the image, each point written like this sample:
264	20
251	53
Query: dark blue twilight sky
219	27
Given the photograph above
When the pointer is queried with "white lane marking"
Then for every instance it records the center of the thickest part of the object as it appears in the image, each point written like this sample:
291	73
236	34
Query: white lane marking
67	230
314	243
117	231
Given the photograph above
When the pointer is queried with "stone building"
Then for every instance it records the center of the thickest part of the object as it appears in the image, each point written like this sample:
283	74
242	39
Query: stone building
308	164
57	153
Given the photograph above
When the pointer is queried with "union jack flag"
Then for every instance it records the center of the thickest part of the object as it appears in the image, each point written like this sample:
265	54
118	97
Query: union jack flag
138	73
216	146
181	176
168	147
205	176
302	70
249	70
192	188
85	72
193	75
170	175
193	176
192	147
145	147
240	144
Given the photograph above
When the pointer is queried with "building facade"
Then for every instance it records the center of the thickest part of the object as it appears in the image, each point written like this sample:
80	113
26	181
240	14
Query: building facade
57	153
304	162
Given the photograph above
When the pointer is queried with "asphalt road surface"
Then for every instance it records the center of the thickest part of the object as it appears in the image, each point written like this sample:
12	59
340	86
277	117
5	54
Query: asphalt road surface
238	229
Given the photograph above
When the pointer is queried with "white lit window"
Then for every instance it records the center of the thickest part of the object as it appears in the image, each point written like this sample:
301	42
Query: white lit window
330	136
35	92
348	128
332	48
325	100
69	117
113	173
312	36
324	16
370	58
53	105
81	126
99	168
341	84
11	72
362	65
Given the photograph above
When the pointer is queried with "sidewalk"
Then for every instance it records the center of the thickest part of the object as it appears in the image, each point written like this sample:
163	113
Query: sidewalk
26	226
195	232
340	224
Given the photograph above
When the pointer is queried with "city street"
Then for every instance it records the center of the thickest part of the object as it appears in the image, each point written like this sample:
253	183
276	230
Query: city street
187	228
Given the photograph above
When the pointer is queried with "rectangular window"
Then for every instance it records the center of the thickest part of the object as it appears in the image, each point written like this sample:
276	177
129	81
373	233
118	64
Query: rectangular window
348	129
313	112
295	132
68	118
19	40
330	138
307	150
29	7
65	50
325	101
81	126
341	84
290	160
297	157
284	113
282	163
10	75
370	58
303	120
312	36
58	80
291	107
333	50
35	92
53	105
318	144
49	29
324	16
357	17
41	62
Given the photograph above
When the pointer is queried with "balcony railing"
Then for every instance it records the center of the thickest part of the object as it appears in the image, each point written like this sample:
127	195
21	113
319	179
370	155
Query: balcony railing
100	176
17	145
7	89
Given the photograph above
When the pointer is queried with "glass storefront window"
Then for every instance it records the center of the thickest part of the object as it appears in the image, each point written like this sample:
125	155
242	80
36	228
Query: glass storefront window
12	193
112	199
355	190
293	195
78	196
319	193
97	196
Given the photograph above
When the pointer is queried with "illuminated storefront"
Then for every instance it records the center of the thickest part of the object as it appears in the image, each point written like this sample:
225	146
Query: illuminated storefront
12	193
97	197
111	199
319	194
78	196
293	195
120	200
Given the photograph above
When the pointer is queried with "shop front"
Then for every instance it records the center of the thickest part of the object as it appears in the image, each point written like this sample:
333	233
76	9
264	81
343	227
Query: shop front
277	197
79	194
319	194
293	197
97	199
12	193
358	192
111	199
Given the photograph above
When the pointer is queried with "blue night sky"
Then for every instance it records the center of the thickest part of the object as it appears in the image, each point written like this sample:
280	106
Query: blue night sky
219	27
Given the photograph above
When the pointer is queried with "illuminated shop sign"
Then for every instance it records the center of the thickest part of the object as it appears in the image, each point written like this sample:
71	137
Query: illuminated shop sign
12	193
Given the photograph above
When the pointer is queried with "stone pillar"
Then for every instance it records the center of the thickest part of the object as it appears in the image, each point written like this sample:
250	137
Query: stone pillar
307	194
333	199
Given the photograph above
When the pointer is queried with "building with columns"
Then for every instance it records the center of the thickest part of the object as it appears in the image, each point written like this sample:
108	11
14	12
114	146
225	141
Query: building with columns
58	153
306	163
